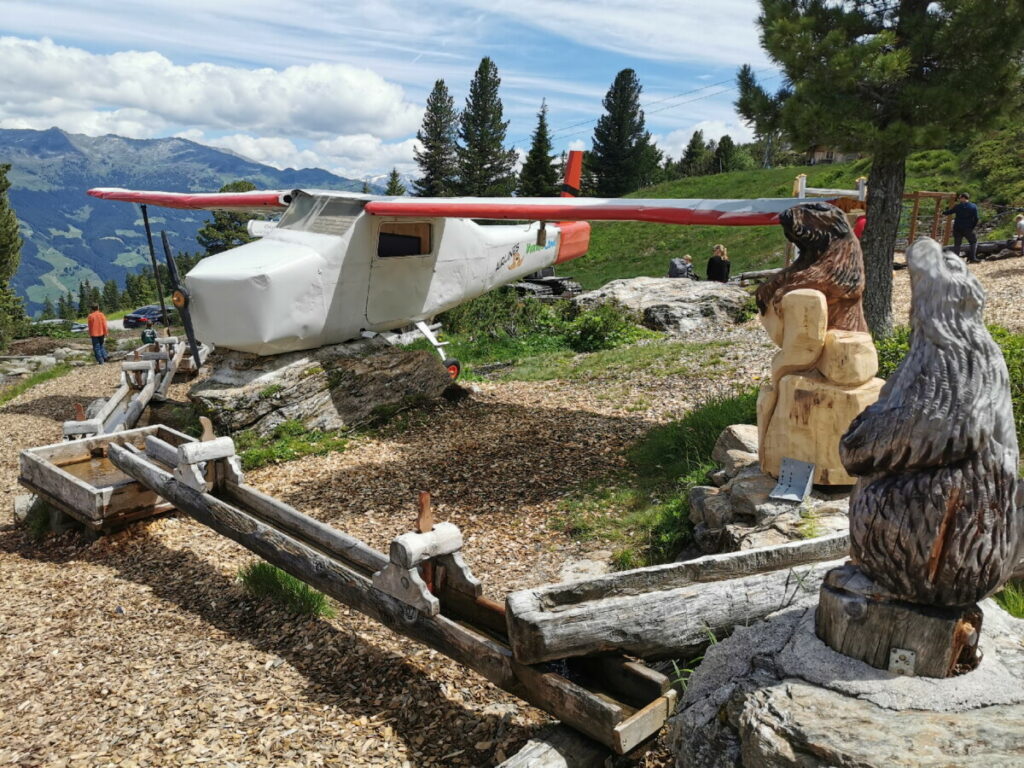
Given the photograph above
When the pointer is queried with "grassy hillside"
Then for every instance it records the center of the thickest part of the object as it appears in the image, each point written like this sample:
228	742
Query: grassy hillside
621	249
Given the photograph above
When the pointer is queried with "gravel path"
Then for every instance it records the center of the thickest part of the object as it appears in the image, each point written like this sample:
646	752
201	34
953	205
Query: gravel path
141	649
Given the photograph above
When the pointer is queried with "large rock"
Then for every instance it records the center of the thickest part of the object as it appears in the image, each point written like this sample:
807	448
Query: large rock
673	305
773	694
333	387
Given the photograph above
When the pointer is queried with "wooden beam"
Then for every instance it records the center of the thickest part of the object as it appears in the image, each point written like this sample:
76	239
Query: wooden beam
616	725
559	747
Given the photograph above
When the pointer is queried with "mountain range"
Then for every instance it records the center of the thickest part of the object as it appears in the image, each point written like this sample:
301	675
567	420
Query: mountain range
69	236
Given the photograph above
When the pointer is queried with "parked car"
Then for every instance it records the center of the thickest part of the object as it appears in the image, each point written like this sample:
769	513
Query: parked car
150	312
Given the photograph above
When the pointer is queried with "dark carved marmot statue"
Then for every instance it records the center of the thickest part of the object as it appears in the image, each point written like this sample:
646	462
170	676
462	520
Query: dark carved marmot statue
829	260
936	515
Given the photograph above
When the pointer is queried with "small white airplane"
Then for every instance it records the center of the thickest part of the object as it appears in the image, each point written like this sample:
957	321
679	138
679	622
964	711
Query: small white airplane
337	265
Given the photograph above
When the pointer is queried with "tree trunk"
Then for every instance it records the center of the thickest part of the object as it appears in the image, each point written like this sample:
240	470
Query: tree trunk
885	185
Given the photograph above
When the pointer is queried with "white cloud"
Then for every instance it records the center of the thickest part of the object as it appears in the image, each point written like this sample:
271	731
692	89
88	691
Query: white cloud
675	142
316	100
362	155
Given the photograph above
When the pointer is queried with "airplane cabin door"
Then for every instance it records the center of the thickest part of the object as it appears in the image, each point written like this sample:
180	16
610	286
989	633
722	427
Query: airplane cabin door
402	269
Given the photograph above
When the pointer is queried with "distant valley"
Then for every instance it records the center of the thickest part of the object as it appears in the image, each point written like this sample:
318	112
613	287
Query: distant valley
69	236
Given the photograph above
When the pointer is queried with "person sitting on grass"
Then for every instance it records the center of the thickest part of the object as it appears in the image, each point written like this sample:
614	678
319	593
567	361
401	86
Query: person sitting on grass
97	323
148	333
718	264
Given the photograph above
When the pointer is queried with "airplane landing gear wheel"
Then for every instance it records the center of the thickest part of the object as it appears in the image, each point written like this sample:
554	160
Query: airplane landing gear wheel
454	367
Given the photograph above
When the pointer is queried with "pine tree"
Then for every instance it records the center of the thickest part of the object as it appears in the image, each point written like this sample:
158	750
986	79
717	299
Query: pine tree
48	312
623	156
762	111
890	78
395	186
12	311
226	229
111	296
365	189
696	160
438	161
538	177
66	308
726	155
84	290
486	168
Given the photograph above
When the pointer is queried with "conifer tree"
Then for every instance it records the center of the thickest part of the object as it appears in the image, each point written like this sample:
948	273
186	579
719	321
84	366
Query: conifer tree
111	299
887	79
395	186
486	168
66	307
48	312
762	111
695	160
623	156
226	229
12	311
538	177
437	160
726	155
365	189
84	292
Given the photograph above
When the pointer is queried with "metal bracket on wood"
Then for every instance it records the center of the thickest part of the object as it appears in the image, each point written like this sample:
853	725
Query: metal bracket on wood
901	661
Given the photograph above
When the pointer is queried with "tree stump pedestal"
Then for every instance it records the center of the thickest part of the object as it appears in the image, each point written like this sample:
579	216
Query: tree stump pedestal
860	619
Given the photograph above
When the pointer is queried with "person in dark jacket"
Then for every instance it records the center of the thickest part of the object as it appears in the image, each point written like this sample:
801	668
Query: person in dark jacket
718	264
965	219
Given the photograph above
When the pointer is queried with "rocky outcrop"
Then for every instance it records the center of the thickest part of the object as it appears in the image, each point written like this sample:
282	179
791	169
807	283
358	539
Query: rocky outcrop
333	387
773	694
673	305
736	512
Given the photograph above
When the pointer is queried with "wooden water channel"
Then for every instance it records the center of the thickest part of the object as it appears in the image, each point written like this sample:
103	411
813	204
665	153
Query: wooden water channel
558	647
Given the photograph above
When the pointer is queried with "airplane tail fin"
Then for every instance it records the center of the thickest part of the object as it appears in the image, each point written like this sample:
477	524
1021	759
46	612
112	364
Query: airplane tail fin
575	239
573	174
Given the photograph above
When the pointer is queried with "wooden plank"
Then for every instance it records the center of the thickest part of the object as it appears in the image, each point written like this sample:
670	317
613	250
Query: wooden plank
41	476
551	692
632	732
116	400
630	681
161	451
670	623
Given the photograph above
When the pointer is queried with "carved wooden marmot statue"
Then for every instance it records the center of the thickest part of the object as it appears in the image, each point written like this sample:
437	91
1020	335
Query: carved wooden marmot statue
829	261
936	515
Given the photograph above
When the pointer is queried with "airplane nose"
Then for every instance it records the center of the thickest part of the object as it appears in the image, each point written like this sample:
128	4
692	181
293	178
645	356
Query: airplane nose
263	297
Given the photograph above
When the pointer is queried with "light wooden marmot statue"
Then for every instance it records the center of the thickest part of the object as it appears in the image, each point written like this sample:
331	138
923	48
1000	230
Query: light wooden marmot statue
936	515
824	372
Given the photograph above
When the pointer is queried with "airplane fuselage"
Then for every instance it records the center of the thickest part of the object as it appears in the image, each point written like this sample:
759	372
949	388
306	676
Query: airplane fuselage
328	272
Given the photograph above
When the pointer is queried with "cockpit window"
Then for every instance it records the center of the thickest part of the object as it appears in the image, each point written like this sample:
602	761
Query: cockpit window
401	238
323	215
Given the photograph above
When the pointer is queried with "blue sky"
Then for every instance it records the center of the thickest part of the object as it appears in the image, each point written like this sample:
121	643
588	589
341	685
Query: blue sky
341	84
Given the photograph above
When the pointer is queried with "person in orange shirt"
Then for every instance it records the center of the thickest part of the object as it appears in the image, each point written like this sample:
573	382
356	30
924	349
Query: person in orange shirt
97	323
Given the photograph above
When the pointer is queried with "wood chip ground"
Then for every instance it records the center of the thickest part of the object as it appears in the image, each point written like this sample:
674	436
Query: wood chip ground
140	649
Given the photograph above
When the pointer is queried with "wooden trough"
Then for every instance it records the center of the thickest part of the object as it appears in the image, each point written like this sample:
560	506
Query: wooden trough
78	478
618	702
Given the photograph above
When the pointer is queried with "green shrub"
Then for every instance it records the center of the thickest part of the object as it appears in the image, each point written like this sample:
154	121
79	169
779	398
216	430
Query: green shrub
289	440
267	581
606	326
9	393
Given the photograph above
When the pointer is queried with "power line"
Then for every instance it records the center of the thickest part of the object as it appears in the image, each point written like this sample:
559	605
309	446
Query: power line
560	132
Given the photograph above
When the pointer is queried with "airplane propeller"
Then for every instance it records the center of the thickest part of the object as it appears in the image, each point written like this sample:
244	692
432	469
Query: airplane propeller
180	299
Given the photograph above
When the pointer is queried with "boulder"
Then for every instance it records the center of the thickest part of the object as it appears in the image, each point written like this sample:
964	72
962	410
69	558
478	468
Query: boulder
773	694
738	437
673	305
333	387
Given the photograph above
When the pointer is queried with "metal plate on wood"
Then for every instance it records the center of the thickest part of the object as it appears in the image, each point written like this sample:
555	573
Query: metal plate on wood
901	661
795	478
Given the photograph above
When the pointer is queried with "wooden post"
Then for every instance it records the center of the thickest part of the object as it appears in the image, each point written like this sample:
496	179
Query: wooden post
947	230
913	219
425	524
936	218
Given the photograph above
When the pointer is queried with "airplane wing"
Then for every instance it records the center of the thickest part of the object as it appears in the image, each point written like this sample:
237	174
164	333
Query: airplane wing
763	211
240	202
